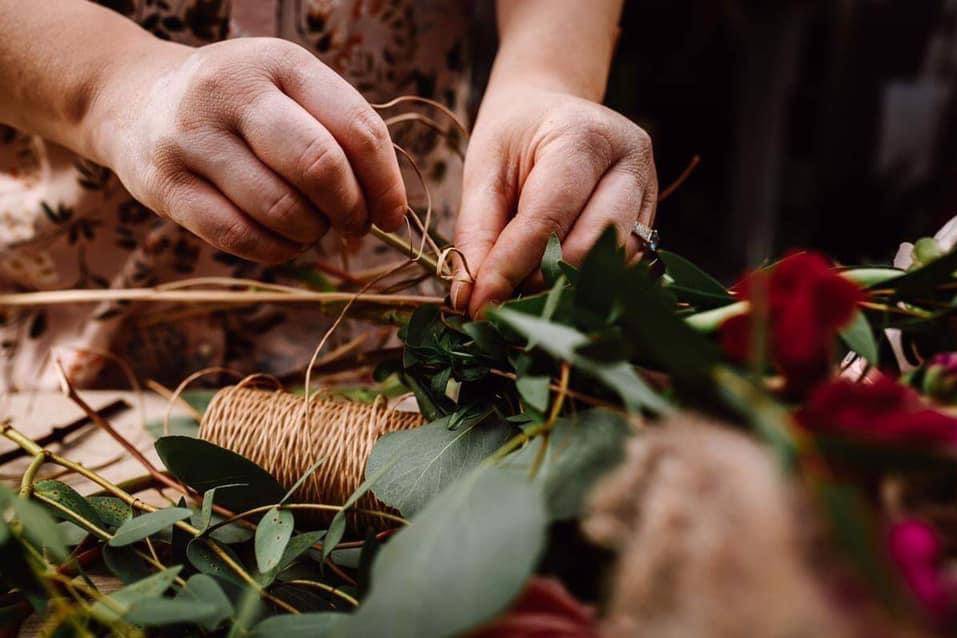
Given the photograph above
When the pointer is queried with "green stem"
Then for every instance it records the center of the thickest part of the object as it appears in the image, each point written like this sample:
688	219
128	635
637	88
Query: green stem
324	587
26	483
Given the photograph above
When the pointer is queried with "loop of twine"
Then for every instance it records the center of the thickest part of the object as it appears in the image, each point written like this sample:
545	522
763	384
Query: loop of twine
268	428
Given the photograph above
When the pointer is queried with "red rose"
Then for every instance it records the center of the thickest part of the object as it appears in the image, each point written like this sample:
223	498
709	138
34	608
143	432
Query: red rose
883	411
544	609
806	303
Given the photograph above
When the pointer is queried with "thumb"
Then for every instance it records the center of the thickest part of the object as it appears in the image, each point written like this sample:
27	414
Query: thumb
482	216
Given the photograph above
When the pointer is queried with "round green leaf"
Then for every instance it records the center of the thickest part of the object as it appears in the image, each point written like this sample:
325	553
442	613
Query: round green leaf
272	536
155	612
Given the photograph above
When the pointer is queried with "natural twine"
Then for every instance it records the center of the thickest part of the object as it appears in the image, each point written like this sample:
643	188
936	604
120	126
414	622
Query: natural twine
271	429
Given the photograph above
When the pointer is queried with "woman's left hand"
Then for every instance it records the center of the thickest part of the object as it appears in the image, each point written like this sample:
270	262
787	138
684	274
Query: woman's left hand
542	162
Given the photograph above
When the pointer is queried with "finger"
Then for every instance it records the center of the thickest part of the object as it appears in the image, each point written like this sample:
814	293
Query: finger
619	200
361	133
484	212
196	205
555	192
258	191
287	138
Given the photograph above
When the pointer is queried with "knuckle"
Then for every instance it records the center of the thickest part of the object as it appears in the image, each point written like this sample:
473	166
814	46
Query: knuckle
239	238
283	208
546	221
369	131
320	163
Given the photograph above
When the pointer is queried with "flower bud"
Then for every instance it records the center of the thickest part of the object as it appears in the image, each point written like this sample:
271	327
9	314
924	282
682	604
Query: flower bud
940	378
926	250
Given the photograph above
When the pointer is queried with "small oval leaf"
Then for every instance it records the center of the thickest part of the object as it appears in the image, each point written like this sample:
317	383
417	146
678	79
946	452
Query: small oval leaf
136	529
272	536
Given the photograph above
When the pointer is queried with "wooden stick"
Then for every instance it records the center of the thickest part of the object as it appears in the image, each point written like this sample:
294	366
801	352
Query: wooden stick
58	434
53	297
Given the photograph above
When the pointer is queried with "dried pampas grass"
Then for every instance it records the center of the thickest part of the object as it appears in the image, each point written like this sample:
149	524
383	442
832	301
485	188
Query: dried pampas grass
705	528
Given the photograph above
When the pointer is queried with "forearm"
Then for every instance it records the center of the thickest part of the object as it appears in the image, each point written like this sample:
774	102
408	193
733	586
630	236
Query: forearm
55	57
562	45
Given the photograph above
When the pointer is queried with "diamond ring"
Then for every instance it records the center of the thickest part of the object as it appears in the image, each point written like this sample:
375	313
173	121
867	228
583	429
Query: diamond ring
647	234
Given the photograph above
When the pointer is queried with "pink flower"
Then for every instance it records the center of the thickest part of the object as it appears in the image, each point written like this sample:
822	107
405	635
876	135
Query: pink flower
915	549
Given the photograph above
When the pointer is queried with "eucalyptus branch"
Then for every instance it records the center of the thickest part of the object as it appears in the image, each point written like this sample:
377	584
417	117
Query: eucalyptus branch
17	437
335	591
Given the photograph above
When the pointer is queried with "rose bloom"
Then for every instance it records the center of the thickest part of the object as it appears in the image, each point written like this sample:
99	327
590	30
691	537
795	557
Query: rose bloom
883	411
807	303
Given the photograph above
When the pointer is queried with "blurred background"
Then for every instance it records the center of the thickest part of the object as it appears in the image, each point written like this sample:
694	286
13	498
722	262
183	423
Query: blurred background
826	124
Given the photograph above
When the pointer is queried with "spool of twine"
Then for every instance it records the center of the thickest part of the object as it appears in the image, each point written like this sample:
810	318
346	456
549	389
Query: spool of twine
275	430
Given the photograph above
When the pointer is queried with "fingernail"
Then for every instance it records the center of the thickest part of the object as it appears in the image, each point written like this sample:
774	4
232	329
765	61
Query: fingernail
457	293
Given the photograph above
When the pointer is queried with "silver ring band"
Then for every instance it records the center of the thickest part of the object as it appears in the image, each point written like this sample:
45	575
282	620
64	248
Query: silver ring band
648	235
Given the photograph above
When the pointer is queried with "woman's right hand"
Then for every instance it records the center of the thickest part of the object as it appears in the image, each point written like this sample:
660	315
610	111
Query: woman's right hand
252	144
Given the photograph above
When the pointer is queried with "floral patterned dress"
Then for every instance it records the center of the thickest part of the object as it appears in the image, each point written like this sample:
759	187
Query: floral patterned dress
68	223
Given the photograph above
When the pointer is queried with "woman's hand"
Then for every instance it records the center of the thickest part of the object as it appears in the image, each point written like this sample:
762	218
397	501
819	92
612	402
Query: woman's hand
252	144
541	162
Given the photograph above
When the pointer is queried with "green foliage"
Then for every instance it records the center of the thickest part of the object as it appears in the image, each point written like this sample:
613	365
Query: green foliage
412	466
121	601
203	466
74	504
580	449
451	570
859	337
139	527
315	625
272	536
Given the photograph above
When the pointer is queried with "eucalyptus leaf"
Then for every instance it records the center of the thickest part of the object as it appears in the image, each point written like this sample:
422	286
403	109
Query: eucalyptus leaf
202	518
412	466
581	449
126	564
337	528
204	588
138	528
203	466
272	536
314	625
302	479
534	390
206	561
859	337
39	527
156	612
68	498
71	533
122	599
111	511
451	570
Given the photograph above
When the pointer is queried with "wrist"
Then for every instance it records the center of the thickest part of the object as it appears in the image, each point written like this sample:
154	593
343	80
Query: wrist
121	91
